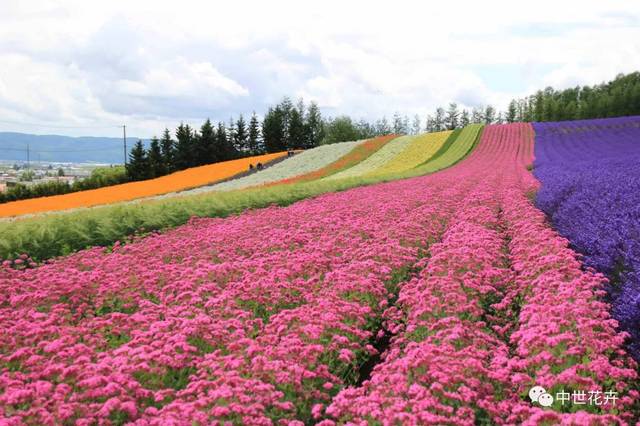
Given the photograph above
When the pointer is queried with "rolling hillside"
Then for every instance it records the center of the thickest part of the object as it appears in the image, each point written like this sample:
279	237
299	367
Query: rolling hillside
441	298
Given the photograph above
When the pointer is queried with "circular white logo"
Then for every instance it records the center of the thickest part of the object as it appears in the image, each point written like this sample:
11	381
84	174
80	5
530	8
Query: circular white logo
545	400
539	394
535	392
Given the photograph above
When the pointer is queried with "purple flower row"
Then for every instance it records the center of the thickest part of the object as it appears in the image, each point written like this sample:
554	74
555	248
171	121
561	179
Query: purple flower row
590	175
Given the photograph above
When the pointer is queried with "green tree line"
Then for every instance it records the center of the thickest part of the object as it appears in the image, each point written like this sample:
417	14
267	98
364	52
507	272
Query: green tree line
285	126
616	98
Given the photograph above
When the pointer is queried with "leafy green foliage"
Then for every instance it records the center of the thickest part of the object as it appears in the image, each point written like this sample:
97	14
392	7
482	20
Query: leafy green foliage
619	97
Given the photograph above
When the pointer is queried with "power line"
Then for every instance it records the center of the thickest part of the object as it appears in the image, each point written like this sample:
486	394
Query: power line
124	139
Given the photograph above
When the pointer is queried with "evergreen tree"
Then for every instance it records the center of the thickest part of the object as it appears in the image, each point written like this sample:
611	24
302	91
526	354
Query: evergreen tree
241	136
224	146
314	126
296	129
382	127
439	120
416	127
167	148
538	106
398	128
451	119
477	115
528	116
273	130
254	142
184	149
522	106
365	129
512	112
156	162
138	164
489	114
231	132
430	124
548	105
464	118
206	144
286	106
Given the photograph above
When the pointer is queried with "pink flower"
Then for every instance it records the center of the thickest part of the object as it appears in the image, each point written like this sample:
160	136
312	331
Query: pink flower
345	355
316	410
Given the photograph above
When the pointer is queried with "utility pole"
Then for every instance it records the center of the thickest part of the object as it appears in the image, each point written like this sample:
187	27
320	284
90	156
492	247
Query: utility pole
28	165
124	139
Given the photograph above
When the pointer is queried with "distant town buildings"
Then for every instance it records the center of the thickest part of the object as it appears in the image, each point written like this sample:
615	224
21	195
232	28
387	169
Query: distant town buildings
13	174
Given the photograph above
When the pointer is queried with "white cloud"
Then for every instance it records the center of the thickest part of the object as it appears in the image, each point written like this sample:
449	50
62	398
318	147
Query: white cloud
151	64
181	79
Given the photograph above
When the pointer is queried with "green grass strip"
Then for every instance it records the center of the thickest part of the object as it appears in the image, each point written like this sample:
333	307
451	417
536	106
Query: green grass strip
444	148
458	149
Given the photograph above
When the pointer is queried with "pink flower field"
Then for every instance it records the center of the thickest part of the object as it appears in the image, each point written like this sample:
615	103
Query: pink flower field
433	300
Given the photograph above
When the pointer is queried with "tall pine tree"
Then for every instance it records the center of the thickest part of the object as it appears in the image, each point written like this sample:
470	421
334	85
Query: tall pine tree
254	142
314	126
451	119
383	127
184	157
223	144
296	128
241	137
205	148
168	151
464	118
439	120
512	112
489	115
156	162
416	127
273	130
397	124
138	164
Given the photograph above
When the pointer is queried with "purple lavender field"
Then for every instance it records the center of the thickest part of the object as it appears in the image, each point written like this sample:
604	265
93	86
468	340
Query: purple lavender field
590	175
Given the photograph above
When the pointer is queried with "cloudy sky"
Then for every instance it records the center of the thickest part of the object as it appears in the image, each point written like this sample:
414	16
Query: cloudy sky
80	67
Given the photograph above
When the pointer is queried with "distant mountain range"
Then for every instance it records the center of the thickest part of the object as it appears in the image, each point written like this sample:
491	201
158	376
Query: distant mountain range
63	149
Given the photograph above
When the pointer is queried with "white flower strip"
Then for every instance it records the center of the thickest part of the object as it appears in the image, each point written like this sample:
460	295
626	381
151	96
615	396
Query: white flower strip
378	159
297	165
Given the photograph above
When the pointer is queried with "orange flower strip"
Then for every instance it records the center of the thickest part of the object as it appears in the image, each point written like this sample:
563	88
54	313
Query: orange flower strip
355	156
178	181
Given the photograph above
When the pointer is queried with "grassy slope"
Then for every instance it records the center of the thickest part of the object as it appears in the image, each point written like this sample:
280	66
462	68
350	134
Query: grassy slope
44	237
447	144
455	149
